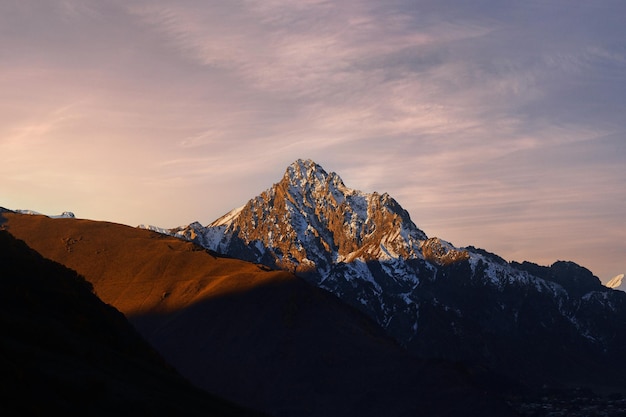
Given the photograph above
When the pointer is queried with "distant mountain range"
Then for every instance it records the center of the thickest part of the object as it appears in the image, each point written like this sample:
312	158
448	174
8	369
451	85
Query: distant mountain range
530	322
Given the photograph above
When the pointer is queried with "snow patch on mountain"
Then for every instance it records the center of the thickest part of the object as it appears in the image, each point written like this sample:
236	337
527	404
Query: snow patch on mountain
227	218
157	229
64	215
617	283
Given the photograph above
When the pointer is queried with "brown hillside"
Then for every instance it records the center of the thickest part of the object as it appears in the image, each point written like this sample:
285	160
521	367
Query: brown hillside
136	270
264	339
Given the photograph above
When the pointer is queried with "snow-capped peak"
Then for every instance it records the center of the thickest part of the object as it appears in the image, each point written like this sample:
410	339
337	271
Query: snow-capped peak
615	282
227	218
64	215
303	173
310	218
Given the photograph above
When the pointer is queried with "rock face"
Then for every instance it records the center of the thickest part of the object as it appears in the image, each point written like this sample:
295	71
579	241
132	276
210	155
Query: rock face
310	219
527	321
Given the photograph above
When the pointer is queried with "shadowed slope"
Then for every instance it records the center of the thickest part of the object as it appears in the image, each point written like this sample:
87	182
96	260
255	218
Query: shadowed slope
64	351
262	338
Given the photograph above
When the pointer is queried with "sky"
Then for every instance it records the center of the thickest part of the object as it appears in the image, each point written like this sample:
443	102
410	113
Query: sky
497	124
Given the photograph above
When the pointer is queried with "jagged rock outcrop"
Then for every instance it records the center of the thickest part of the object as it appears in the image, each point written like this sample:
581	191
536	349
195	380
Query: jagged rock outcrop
311	219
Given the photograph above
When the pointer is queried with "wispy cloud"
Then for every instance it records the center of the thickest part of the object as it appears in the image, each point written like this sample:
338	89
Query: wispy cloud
494	123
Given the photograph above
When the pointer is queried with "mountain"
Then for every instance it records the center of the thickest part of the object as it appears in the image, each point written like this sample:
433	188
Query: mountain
65	214
65	351
555	325
616	282
262	338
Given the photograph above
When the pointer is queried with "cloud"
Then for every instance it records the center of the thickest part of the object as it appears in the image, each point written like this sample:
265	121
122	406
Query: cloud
494	123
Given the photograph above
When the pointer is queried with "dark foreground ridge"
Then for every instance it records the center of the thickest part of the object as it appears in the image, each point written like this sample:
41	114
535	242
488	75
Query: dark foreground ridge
64	351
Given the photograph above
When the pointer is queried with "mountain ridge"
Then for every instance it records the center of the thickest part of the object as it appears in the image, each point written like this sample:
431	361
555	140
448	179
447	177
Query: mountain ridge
365	249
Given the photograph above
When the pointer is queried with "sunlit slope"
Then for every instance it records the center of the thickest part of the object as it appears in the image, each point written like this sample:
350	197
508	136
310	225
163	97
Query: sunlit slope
137	271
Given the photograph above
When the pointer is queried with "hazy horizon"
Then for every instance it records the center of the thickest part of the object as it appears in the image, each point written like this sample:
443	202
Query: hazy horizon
497	125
